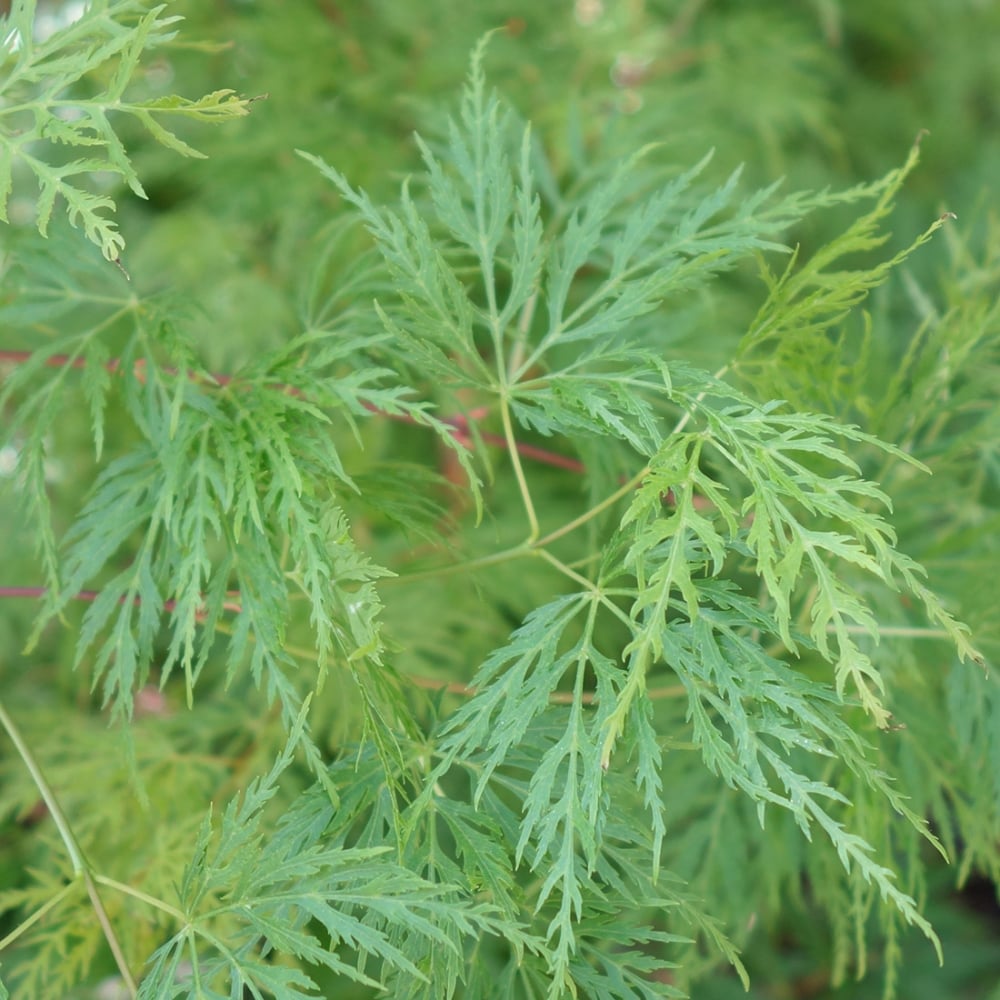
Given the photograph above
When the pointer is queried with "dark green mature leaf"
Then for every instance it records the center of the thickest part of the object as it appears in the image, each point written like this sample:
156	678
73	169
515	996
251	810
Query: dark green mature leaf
273	895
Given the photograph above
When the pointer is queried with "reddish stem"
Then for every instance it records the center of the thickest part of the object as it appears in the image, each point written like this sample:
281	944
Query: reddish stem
429	683
91	595
459	423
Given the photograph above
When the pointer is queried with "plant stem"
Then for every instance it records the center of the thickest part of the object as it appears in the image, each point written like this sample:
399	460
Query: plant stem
109	935
152	901
27	924
48	796
80	867
515	552
589	515
515	461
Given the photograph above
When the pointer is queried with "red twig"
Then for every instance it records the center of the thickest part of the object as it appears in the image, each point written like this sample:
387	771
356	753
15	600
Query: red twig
91	595
459	424
428	683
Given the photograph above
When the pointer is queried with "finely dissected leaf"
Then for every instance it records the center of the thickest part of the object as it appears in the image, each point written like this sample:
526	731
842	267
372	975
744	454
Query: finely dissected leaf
554	819
775	465
515	685
787	494
219	106
479	845
605	404
810	298
516	691
47	81
202	480
794	714
281	890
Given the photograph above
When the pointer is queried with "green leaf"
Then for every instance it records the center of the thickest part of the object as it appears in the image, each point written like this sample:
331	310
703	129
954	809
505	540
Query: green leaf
51	81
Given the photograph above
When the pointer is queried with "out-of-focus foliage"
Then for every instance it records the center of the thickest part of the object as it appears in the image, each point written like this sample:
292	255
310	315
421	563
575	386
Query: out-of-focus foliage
524	558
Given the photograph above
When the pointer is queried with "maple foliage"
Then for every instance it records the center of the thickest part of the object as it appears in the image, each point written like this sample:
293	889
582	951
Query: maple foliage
520	578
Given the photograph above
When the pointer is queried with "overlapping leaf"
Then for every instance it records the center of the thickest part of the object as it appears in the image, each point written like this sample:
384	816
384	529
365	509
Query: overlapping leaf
273	894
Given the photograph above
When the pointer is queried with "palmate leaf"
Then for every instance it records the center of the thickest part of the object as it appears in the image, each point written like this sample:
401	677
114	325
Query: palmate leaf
439	321
615	886
770	714
273	894
479	846
581	399
778	456
750	481
621	974
263	894
551	321
39	110
644	246
510	722
478	865
811	298
774	452
675	547
491	211
491	214
514	685
564	801
675	238
436	334
223	473
611	383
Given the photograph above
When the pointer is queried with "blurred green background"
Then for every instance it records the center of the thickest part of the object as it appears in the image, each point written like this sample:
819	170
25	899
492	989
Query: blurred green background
819	92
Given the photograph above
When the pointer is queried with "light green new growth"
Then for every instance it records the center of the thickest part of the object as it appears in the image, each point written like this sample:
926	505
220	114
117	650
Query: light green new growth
39	117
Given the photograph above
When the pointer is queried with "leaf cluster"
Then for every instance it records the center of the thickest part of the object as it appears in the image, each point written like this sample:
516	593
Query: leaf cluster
57	92
530	656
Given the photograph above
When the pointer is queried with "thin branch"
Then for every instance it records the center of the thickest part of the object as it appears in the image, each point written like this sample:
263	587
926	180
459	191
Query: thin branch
50	904
522	483
80	867
459	424
555	698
